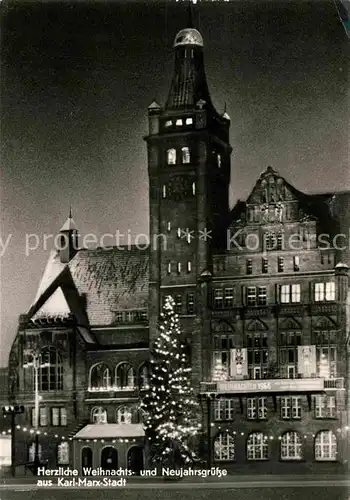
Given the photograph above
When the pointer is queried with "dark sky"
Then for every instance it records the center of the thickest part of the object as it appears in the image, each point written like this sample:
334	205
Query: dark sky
77	79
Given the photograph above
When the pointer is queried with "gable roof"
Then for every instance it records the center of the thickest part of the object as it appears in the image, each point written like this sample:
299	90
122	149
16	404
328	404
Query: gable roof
94	286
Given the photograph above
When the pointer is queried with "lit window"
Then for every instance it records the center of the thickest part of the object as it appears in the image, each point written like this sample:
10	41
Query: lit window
171	156
58	416
179	267
144	376
257	446
31	452
124	415
280	265
189	121
218	159
220	367
251	295
189	266
190	303
51	371
99	415
296	263
224	447
179	123
228	297
326	446
223	409
63	453
168	123
249	266
169	226
257	408
290	293
324	291
164	191
325	406
194	188
169	268
178	232
262	295
178	304
125	377
218	298
100	378
291	446
264	265
186	155
290	407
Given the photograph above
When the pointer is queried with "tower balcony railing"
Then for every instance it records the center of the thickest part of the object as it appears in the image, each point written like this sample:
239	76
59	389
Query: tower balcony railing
273	385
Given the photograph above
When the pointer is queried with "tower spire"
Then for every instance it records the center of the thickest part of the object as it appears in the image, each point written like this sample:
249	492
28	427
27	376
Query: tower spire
190	15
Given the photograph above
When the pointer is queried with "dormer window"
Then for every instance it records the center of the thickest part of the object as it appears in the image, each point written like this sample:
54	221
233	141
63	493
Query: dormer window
179	123
185	155
189	121
168	123
171	156
218	158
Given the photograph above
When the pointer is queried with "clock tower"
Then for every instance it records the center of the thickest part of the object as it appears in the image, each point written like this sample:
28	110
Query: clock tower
189	177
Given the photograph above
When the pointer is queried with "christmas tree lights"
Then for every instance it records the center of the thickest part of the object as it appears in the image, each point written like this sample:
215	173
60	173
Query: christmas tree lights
170	409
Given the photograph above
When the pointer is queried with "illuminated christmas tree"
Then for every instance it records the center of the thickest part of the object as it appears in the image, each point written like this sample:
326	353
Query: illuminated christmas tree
170	409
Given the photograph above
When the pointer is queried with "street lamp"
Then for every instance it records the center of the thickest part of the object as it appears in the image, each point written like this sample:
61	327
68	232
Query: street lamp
36	363
13	411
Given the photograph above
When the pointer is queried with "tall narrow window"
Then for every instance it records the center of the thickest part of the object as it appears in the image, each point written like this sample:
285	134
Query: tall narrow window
169	267
228	297
249	266
280	265
189	266
179	267
178	232
264	265
186	158
326	446
171	156
51	371
194	188
279	240
218	158
296	263
164	191
63	453
178	304
262	295
169	226
218	298
324	291
190	303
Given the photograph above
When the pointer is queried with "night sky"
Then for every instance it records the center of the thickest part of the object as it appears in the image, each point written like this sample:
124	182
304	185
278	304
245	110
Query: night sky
77	79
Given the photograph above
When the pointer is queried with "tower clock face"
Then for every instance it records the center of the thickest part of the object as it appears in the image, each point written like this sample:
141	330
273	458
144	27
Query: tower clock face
179	187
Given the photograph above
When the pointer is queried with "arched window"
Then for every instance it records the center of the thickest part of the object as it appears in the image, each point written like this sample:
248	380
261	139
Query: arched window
63	453
326	446
224	447
99	415
186	157
144	376
51	371
31	452
291	446
124	415
257	446
171	156
100	378
125	376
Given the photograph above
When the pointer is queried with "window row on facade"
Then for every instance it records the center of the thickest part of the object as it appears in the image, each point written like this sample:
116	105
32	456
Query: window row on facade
288	407
124	414
264	267
179	267
62	453
269	241
124	377
291	446
131	316
225	297
55	416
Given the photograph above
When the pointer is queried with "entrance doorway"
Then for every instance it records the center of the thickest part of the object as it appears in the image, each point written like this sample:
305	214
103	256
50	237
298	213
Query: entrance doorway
135	459
109	458
86	460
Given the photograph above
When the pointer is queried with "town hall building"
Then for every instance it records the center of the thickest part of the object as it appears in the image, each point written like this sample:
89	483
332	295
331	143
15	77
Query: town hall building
262	292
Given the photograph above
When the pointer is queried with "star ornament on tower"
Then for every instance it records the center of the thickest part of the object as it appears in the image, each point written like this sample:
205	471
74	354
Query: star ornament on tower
205	234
